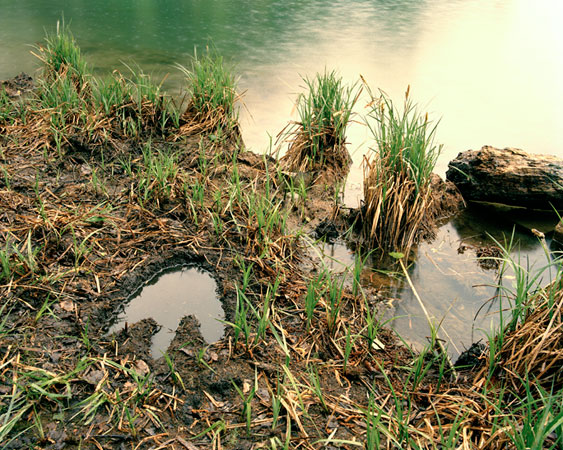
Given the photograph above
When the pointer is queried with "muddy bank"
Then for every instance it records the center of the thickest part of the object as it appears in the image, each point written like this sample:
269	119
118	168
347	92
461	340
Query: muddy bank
87	220
84	226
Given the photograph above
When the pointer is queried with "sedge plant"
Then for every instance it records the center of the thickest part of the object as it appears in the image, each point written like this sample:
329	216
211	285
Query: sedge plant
318	139
211	85
397	174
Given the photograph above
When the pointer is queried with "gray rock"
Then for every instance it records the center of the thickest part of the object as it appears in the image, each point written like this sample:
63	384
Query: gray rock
509	176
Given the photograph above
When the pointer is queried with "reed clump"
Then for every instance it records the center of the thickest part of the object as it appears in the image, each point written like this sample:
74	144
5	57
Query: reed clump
211	85
61	57
397	174
317	141
529	349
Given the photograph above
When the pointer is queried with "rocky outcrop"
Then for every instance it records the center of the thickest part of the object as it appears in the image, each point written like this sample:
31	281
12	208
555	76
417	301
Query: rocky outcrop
509	176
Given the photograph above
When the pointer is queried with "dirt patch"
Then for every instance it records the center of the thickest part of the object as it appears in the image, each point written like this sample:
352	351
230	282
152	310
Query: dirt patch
489	257
17	86
446	199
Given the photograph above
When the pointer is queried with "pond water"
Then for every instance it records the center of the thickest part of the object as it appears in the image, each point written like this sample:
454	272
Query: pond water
457	287
491	70
170	296
454	279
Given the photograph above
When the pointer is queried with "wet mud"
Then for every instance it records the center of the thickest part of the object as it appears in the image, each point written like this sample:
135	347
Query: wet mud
80	237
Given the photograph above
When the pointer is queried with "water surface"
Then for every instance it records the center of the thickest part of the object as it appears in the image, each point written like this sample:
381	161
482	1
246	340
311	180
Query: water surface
455	286
169	297
491	70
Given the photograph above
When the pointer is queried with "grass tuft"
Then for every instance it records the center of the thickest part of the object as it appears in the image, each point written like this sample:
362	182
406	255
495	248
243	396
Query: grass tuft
211	85
61	56
397	175
318	140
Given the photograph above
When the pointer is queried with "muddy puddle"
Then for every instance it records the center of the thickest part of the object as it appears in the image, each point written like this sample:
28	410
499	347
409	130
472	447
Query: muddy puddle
455	275
336	256
171	295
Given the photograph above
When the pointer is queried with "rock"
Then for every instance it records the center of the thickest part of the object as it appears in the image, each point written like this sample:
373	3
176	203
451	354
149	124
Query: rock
558	232
509	176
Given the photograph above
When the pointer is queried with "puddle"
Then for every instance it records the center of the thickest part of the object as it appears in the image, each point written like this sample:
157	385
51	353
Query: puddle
336	256
454	287
170	296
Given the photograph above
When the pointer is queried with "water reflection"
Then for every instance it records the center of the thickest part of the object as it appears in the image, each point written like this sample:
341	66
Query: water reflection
171	296
455	288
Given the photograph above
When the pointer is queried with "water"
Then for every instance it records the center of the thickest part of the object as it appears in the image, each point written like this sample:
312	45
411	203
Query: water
454	287
171	296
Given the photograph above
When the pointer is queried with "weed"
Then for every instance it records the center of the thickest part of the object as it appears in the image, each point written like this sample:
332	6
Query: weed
62	56
172	369
247	402
316	386
315	290
335	288
318	140
212	88
157	176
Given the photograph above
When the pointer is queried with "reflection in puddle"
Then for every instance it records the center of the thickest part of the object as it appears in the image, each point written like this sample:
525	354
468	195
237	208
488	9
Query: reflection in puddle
454	287
336	256
171	296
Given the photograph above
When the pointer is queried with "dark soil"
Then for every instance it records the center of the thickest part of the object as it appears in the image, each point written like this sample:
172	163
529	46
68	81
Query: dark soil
17	86
80	239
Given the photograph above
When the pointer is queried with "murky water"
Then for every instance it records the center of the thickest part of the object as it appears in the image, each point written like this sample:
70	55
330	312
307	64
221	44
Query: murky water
171	296
453	283
454	280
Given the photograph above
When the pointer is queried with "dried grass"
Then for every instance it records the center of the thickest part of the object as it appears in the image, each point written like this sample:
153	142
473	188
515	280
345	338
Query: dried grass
397	176
533	351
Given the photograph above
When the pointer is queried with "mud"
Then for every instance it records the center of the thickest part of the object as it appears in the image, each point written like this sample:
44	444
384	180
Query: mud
17	86
80	239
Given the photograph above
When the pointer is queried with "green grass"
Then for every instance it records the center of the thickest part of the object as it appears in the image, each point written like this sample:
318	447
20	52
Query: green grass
72	108
397	174
156	176
325	110
211	85
318	139
61	56
7	108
